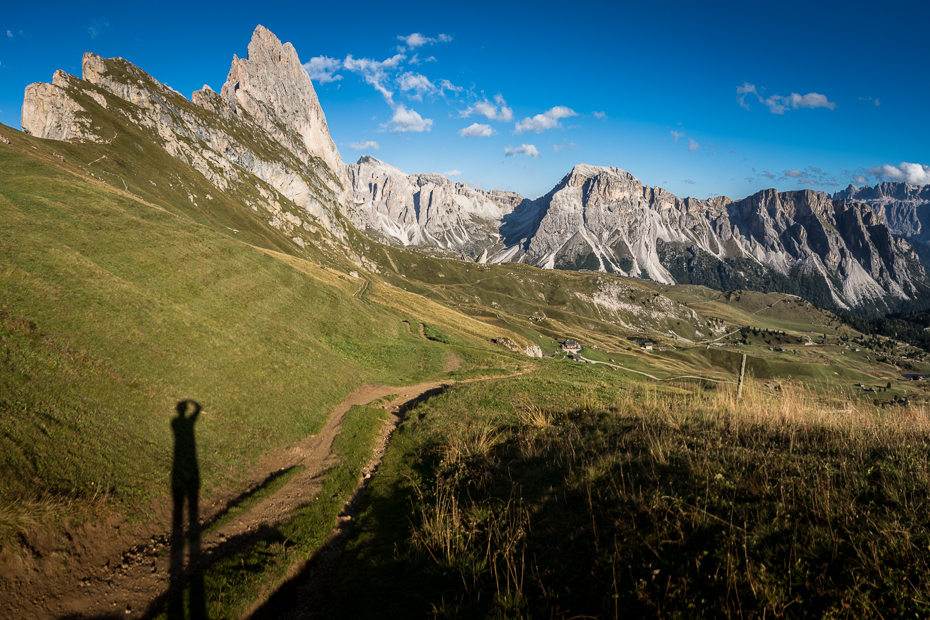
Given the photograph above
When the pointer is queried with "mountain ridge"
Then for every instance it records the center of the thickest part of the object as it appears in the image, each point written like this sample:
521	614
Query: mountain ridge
267	124
605	219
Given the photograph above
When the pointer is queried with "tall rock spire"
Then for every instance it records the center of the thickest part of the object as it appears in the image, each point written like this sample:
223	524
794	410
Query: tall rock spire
273	88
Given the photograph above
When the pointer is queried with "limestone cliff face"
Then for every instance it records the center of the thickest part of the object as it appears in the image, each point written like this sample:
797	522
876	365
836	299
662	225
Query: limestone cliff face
907	206
426	210
49	112
267	122
274	90
604	219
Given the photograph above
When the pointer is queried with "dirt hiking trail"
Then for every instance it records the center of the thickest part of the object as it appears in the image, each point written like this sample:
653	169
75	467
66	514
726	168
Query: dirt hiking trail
117	571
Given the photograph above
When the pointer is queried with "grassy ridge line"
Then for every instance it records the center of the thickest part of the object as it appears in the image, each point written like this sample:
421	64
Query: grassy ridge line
114	311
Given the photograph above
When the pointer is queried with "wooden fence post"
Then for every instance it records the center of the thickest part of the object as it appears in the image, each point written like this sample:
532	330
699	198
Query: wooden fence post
742	373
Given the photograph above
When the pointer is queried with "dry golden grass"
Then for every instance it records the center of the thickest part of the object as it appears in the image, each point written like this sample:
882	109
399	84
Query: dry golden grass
641	500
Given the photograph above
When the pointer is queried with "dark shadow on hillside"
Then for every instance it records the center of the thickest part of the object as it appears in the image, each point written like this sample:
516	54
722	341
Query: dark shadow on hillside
522	223
185	488
186	583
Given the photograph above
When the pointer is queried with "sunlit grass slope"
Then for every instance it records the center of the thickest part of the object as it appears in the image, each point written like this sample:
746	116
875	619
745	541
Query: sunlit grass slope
112	310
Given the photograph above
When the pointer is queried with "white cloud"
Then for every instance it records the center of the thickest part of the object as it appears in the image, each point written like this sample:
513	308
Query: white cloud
476	131
96	27
445	85
367	145
452	173
860	180
779	104
497	111
571	146
689	181
546	120
600	115
409	120
677	134
793	173
742	91
915	174
375	72
416	40
416	82
524	149
322	69
9	34
692	145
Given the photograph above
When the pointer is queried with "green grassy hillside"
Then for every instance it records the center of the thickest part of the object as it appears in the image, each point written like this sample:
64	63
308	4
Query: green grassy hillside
112	310
128	283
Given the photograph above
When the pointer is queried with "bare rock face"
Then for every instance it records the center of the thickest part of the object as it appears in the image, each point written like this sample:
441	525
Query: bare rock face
604	219
49	112
907	206
266	122
274	90
426	210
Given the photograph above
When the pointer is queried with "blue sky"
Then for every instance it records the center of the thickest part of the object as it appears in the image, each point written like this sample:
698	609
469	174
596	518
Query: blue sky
702	99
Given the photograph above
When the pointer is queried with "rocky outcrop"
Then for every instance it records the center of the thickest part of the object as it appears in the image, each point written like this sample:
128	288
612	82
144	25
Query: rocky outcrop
274	90
267	123
907	207
426	210
49	112
841	254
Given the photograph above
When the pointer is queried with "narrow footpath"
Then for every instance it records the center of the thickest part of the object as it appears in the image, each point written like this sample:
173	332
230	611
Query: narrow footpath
129	580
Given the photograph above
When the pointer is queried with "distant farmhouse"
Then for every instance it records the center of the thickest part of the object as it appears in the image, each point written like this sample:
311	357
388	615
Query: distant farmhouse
570	346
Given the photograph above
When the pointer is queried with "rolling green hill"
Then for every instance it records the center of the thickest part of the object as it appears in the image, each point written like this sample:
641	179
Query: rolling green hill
129	281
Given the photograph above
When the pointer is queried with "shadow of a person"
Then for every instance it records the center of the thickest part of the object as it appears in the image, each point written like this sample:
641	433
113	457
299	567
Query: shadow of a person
185	486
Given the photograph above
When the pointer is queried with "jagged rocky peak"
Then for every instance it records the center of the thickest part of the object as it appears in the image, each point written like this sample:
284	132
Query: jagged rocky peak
48	111
273	88
265	132
907	206
426	210
375	165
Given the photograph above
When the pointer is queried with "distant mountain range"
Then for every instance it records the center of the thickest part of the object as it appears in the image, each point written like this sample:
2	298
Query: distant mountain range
835	252
907	207
265	135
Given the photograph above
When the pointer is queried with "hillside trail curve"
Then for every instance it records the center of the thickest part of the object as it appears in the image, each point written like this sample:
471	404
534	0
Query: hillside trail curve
128	575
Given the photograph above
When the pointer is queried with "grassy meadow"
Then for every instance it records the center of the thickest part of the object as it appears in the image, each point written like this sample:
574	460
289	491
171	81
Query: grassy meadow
113	310
575	493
